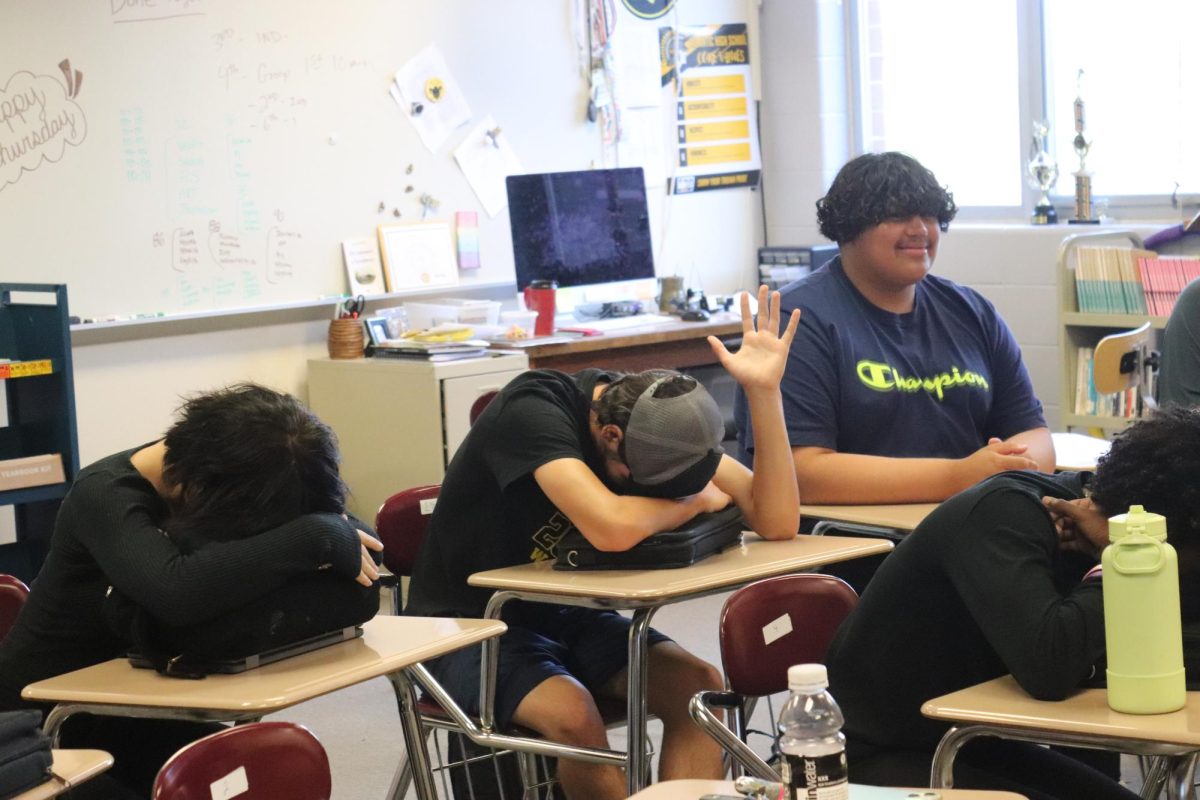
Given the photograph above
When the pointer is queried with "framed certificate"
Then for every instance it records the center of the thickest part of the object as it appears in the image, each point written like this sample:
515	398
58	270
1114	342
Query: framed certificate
417	255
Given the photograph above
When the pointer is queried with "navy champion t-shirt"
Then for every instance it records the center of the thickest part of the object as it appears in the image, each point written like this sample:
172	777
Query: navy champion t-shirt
935	382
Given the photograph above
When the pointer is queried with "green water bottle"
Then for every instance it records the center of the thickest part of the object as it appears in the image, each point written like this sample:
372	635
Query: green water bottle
1142	627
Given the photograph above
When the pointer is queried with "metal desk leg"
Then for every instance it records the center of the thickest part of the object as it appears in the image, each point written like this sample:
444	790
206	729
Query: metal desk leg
489	663
638	764
941	774
414	736
1181	785
1155	772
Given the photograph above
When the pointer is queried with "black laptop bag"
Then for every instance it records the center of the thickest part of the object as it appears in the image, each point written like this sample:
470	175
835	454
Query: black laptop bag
699	538
300	610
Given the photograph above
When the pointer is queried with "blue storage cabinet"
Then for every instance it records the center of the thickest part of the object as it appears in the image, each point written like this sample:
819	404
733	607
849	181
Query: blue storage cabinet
34	327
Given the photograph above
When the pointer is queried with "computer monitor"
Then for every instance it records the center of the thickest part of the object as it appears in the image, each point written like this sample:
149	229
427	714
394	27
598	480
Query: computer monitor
588	230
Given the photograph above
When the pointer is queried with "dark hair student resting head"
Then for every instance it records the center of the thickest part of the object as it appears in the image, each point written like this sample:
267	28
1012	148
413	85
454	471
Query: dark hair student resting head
1156	463
672	431
244	459
876	187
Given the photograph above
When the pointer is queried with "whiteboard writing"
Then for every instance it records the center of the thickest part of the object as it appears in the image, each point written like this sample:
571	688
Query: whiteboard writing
153	10
133	146
38	119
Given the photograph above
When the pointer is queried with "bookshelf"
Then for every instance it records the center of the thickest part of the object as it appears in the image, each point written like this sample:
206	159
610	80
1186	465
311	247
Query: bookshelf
40	396
1080	329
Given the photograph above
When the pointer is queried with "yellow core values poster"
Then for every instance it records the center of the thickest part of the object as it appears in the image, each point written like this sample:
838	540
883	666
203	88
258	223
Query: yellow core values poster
706	70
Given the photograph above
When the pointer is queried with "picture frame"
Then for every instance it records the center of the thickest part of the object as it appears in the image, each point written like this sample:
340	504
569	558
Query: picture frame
377	330
417	255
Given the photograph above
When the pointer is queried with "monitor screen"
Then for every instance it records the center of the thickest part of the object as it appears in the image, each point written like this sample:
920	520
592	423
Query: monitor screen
580	228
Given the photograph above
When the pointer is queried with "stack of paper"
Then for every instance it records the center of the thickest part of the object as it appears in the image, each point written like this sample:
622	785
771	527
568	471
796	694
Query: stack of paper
431	351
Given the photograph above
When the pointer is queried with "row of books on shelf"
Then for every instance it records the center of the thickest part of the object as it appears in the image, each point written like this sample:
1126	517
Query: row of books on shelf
1124	405
1116	280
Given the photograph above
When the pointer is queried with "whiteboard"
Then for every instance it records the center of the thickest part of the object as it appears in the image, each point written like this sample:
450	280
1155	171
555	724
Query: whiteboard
166	156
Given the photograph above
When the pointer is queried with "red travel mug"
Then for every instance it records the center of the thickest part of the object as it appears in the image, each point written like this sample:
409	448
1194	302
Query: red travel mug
539	297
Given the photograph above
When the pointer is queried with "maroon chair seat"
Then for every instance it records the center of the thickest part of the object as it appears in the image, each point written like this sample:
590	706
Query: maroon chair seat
480	404
400	524
806	610
13	594
270	760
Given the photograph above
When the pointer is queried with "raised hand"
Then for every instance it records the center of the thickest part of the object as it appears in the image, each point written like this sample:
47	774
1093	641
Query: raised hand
760	361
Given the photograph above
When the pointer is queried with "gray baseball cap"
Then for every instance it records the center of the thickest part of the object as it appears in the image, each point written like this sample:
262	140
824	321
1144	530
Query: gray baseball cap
673	444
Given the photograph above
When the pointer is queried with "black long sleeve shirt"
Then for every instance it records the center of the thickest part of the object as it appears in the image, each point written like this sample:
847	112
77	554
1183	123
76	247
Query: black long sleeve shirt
109	533
978	590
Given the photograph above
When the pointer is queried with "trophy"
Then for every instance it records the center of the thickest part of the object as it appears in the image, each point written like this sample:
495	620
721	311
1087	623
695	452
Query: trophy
1043	174
1083	178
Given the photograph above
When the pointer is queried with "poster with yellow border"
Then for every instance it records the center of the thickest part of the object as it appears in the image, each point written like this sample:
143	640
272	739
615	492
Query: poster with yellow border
706	70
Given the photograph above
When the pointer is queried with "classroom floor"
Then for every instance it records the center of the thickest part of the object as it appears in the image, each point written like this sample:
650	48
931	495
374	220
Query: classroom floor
360	727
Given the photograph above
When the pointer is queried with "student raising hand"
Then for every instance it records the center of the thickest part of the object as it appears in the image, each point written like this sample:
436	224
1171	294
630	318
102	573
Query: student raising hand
768	495
759	363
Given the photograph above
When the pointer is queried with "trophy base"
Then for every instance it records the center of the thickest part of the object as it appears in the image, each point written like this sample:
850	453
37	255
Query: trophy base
1083	221
1044	215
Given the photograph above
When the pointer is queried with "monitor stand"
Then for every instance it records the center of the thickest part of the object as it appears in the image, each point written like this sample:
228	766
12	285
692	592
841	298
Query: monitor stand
609	310
608	300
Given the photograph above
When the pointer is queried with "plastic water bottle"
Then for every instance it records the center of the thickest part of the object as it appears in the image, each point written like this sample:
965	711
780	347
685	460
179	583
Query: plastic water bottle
810	737
1142	627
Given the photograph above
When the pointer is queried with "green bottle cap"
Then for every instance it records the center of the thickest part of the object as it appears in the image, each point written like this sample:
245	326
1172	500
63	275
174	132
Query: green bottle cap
1138	520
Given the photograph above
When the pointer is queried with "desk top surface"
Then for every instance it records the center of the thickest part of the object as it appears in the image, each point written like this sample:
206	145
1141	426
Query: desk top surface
719	324
387	645
1075	451
756	558
1003	702
694	789
70	768
901	517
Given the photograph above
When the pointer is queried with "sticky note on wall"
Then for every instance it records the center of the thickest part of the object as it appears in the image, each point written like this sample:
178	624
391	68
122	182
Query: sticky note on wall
466	224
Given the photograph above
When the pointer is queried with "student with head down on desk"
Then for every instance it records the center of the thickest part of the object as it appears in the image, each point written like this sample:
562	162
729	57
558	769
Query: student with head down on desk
241	496
1002	578
618	457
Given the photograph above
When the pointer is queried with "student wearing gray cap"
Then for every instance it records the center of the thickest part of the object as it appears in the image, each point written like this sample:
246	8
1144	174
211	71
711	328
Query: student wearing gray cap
618	457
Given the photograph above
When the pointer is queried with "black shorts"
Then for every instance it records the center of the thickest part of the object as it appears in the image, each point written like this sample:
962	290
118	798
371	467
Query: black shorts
542	641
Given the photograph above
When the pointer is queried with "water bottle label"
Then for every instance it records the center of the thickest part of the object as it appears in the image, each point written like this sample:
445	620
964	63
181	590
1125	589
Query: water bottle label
816	777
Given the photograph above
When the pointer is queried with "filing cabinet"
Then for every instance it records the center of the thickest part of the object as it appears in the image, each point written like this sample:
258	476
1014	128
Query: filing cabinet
399	421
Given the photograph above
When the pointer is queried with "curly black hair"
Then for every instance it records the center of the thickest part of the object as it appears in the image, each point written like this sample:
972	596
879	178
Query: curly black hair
880	186
1155	463
247	459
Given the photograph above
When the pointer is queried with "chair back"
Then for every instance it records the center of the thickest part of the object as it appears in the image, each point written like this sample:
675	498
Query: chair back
13	593
258	761
1120	360
401	523
772	624
481	403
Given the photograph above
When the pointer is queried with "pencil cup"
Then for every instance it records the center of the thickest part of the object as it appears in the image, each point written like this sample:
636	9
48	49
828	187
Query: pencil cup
345	338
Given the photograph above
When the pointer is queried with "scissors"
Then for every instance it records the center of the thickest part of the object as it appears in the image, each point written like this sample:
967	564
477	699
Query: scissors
352	307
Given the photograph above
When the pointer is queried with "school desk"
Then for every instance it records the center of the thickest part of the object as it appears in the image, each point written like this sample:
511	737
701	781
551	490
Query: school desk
388	646
695	789
1003	709
1074	452
892	521
662	345
643	592
70	768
